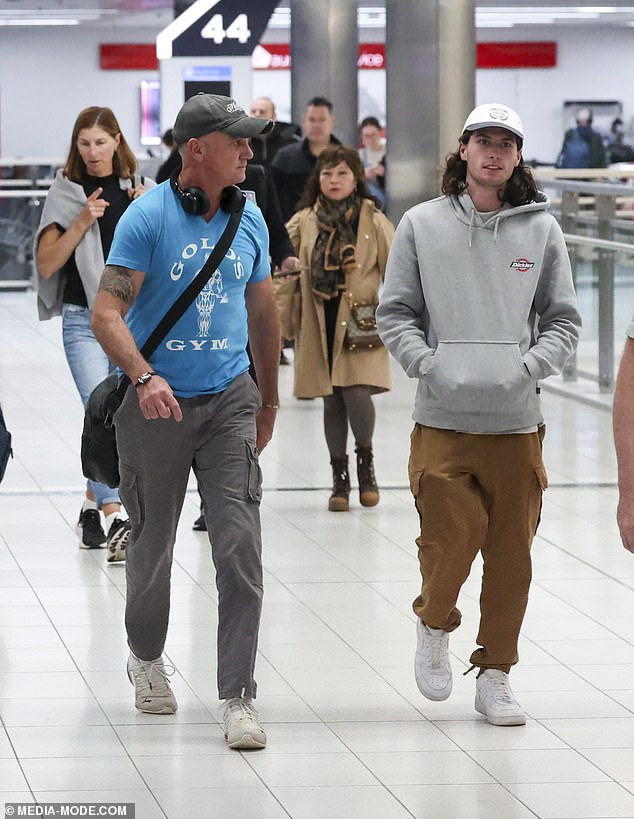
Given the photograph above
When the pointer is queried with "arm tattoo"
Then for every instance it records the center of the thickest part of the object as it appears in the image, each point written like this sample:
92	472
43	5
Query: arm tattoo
118	282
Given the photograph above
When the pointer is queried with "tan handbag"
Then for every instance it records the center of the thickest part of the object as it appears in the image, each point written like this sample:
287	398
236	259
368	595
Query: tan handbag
361	332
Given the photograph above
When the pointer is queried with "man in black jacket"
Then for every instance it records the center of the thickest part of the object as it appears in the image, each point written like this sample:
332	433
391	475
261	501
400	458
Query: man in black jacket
259	186
293	164
265	147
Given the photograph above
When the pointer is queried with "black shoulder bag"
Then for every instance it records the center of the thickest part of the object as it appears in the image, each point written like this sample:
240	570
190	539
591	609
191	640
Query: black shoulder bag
99	456
6	451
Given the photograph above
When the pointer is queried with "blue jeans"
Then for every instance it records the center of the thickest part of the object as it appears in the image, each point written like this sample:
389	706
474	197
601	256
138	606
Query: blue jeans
88	365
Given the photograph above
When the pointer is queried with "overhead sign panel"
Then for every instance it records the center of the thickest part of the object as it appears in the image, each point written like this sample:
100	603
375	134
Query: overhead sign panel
216	28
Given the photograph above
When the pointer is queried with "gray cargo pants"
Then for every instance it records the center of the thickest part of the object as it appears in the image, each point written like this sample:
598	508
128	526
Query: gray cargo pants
216	437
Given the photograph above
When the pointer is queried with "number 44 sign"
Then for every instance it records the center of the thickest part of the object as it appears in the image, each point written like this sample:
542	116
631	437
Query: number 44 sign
210	28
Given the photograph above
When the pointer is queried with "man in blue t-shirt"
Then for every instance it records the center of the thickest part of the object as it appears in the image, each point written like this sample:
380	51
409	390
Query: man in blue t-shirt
194	402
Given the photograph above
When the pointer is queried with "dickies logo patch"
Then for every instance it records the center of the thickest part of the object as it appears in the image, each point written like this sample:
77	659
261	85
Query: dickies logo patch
523	265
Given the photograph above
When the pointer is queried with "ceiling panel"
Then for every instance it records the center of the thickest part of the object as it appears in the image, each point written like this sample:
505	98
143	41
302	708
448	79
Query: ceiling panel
158	13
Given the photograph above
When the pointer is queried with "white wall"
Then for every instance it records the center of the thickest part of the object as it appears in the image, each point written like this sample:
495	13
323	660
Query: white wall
592	64
48	75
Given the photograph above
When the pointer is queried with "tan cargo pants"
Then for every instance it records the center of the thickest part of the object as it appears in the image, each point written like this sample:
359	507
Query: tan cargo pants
477	493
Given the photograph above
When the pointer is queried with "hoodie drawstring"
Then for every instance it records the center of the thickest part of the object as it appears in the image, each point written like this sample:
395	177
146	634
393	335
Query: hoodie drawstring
495	228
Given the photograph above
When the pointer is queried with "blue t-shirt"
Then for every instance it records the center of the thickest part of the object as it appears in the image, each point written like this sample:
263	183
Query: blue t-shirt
206	349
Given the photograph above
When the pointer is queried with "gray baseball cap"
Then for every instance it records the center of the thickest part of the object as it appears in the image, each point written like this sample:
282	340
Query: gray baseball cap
204	113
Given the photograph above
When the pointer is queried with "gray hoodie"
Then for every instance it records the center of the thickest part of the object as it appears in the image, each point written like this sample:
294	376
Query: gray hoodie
478	309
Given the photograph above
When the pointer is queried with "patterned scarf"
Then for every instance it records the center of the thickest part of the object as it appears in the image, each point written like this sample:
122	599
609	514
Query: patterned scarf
333	254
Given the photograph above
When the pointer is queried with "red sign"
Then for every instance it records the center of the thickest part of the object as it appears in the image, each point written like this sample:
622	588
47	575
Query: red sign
272	56
517	55
371	55
276	56
128	56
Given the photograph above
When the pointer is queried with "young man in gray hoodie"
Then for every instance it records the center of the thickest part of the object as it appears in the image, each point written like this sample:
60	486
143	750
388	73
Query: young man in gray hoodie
478	305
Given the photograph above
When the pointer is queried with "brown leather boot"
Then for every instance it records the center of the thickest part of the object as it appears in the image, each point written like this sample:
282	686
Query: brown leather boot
338	501
368	489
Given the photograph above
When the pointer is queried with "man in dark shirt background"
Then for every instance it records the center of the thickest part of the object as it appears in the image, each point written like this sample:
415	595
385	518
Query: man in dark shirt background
293	164
266	146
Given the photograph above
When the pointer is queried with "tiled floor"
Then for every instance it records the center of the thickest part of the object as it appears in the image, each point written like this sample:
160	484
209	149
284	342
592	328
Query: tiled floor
349	734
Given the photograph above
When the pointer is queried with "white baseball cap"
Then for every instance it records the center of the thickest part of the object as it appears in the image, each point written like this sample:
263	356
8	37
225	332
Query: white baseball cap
494	114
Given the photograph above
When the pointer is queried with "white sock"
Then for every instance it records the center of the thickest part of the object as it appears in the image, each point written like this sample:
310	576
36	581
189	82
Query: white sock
89	504
110	519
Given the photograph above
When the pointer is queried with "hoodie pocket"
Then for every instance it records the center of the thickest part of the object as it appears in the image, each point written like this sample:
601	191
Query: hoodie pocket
478	376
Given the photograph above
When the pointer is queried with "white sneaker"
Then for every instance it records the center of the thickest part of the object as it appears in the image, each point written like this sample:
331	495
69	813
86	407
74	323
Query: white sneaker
153	692
431	665
242	729
494	699
118	536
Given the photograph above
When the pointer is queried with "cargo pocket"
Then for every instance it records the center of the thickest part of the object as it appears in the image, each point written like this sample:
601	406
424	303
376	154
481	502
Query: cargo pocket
542	477
415	477
254	474
130	494
414	469
542	480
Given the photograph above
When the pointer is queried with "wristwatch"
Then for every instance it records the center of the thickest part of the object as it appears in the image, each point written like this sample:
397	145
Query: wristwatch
144	378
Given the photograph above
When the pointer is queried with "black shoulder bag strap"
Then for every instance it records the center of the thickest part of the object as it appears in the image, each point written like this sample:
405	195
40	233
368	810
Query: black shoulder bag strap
193	288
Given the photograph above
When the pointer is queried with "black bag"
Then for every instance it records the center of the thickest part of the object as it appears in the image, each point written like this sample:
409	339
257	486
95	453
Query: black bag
361	332
99	456
6	451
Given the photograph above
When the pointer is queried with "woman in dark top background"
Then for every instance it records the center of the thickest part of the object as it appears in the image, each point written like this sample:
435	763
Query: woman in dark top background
82	209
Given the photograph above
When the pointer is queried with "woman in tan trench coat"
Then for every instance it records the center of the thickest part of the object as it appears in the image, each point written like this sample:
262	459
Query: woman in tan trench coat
342	240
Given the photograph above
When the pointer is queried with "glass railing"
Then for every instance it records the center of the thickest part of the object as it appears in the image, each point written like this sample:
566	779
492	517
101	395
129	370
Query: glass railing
597	217
20	210
24	184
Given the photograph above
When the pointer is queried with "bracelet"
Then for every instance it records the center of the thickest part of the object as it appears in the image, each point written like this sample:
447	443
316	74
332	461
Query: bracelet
144	378
270	406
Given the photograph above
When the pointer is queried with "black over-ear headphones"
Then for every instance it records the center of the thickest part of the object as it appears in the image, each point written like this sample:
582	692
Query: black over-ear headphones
232	199
196	201
193	200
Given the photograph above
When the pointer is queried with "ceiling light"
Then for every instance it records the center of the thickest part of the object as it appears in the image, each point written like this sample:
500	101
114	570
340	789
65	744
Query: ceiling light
367	17
496	17
40	21
51	17
495	24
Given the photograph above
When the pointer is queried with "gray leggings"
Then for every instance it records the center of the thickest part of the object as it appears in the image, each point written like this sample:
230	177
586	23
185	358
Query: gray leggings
217	437
353	405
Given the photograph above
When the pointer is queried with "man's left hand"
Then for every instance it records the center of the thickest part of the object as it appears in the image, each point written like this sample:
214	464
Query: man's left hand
625	520
264	421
